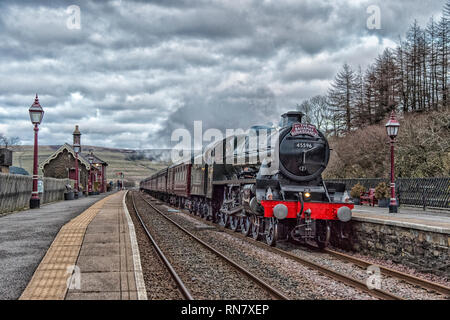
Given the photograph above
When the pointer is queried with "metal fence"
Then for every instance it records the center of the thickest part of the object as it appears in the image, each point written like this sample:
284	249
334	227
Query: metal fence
421	192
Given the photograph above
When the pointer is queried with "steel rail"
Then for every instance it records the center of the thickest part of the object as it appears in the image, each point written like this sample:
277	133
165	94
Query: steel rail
393	273
378	293
341	277
181	286
274	292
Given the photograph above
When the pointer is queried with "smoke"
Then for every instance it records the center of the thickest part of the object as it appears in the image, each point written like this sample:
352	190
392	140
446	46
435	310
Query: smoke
157	155
238	106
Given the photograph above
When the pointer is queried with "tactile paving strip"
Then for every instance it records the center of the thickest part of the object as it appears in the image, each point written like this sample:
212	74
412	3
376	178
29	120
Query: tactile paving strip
49	281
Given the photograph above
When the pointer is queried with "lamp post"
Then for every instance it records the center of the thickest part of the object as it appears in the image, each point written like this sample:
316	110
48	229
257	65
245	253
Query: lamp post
77	149
392	127
36	115
91	161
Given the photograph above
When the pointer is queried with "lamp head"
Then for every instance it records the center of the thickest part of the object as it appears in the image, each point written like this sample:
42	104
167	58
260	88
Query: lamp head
36	112
392	126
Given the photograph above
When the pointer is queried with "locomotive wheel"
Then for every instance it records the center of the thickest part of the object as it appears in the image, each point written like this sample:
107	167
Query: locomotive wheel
256	227
323	233
205	211
195	209
201	213
271	231
246	226
234	223
215	217
223	219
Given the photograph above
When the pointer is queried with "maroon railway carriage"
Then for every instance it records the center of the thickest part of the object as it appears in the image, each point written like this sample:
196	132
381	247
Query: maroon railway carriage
178	183
157	183
160	182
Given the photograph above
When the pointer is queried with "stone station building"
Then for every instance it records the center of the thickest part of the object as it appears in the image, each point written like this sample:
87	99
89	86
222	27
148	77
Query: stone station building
91	169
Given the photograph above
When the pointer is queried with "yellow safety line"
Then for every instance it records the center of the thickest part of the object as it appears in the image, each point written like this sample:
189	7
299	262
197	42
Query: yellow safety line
49	281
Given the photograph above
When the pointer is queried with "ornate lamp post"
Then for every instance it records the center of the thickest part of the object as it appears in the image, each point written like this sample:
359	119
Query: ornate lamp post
77	149
36	115
392	127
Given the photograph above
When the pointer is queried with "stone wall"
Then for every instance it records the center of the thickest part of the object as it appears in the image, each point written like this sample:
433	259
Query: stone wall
54	189
423	248
15	191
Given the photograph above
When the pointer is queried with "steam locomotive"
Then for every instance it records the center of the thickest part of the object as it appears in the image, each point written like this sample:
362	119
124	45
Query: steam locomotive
266	183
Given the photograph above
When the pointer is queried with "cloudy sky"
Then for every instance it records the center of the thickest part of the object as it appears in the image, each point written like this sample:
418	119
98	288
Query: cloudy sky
137	70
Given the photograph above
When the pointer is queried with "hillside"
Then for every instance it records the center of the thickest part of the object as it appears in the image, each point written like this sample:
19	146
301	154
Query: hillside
135	164
422	149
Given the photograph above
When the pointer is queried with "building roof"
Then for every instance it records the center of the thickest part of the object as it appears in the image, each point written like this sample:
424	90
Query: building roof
96	160
68	147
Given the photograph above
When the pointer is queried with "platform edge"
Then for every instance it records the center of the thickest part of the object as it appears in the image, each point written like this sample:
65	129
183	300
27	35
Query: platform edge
138	275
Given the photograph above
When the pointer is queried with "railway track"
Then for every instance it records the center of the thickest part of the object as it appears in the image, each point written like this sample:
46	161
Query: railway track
181	285
410	279
393	273
343	278
416	281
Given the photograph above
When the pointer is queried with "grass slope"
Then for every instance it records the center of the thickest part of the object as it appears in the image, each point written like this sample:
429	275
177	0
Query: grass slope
118	161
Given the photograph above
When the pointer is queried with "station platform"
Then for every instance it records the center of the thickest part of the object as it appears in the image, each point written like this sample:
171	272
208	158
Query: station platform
407	217
94	256
25	237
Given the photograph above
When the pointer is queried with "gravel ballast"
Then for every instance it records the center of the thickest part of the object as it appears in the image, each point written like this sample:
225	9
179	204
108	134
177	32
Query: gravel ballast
158	281
289	277
204	274
292	277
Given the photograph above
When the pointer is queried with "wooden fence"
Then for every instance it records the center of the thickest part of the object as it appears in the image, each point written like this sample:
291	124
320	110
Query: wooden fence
15	191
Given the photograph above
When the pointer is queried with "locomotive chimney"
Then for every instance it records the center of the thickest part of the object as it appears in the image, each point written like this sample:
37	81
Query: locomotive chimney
291	117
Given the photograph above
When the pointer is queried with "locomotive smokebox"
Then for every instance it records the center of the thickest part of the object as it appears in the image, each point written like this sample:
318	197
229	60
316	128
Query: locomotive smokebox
291	117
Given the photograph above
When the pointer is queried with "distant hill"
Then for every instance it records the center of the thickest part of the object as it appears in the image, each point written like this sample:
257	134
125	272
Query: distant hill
136	164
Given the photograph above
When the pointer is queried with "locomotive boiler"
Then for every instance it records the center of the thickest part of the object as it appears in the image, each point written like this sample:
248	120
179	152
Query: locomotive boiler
266	183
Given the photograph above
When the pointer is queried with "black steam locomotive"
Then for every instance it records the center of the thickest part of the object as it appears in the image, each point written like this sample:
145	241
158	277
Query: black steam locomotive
265	183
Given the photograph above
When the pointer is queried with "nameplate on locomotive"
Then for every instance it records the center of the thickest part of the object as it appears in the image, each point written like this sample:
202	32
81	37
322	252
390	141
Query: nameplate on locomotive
301	128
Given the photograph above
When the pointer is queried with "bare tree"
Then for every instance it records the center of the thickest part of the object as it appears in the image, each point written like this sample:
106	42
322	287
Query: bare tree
387	84
359	118
317	112
431	34
341	97
446	9
370	80
412	78
8	141
443	53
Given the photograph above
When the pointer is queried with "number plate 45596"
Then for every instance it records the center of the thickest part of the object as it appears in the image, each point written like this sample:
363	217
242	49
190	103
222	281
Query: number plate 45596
304	145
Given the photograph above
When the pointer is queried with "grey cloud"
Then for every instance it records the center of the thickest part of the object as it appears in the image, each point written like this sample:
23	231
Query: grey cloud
145	68
237	107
